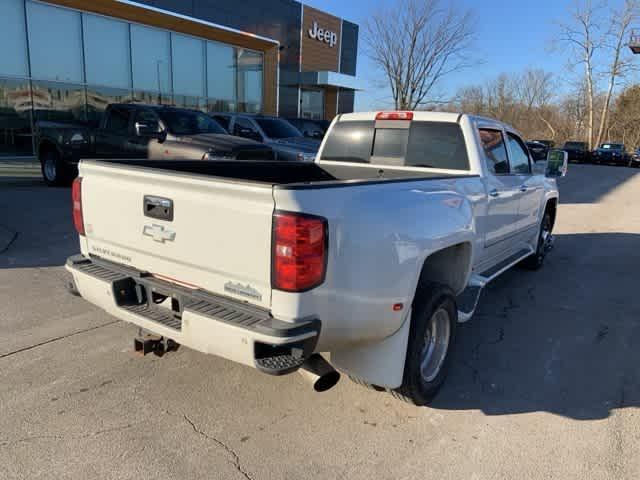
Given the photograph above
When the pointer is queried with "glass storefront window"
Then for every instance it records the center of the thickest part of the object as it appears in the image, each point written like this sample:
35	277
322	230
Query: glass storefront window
152	98
55	43
151	58
194	103
99	97
249	81
14	38
58	102
221	77
15	117
312	104
188	65
106	51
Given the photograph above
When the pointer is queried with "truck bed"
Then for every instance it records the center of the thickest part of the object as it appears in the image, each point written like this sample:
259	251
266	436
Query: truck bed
284	174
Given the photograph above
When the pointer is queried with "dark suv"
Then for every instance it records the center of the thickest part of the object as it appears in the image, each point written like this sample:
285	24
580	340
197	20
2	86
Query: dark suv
287	141
577	151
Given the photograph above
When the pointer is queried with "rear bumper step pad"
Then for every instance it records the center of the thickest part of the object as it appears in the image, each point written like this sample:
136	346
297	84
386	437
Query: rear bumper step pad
136	292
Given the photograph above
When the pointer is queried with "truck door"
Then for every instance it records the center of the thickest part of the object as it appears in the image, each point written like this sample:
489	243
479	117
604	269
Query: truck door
111	138
503	193
531	187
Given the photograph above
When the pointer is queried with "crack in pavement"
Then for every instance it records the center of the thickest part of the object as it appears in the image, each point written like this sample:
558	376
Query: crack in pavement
13	237
229	450
55	339
4	443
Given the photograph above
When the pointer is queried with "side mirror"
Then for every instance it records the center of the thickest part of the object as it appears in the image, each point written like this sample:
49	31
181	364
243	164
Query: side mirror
557	163
147	130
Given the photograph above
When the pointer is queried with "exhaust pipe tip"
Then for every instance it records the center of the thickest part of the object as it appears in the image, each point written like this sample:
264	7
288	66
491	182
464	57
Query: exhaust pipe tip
317	371
327	381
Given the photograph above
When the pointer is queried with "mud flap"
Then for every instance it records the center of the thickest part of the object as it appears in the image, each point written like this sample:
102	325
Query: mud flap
380	363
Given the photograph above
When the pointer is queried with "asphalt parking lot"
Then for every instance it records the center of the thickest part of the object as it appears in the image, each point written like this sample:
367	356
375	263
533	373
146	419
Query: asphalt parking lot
545	383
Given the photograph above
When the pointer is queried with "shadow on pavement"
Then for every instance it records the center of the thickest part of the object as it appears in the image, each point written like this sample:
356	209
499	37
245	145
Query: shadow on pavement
40	219
563	340
590	183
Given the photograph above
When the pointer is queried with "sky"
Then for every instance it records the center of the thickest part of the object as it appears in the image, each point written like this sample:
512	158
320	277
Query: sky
511	35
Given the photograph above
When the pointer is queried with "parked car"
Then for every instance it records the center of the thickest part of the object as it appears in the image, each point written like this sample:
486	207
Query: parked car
634	159
549	143
578	151
139	131
310	128
374	252
285	139
614	153
538	150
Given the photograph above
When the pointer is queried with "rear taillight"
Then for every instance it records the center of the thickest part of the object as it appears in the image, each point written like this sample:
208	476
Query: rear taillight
394	116
299	257
76	197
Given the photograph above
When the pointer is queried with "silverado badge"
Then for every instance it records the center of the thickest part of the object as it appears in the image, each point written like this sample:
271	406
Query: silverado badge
159	233
244	290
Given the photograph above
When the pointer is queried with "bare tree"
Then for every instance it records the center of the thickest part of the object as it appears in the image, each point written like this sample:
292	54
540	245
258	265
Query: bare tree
584	38
417	43
621	63
535	90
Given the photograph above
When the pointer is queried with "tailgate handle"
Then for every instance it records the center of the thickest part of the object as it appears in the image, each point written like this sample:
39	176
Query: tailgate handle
158	207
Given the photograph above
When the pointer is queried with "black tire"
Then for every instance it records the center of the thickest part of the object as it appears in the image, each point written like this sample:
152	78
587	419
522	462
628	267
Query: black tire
430	299
54	172
536	261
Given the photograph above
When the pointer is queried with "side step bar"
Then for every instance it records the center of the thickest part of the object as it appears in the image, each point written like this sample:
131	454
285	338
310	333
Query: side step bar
468	300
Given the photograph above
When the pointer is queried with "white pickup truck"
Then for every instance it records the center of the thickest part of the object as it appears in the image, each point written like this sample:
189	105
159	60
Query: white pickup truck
372	254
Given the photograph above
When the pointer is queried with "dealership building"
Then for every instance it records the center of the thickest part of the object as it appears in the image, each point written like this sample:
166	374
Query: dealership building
65	60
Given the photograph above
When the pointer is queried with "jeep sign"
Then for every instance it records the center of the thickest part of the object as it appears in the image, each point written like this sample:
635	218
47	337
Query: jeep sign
322	35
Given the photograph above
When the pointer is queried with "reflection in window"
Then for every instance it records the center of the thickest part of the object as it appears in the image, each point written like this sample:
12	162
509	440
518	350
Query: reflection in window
12	33
519	156
188	65
106	48
58	102
152	98
249	81
151	58
495	151
221	77
15	117
55	43
194	103
99	97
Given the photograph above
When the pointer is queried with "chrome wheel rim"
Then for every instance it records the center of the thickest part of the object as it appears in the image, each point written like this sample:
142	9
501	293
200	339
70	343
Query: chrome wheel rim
436	344
545	234
50	169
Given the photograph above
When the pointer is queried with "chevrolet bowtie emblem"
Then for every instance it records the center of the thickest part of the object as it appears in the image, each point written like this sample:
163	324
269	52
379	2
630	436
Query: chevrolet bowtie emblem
158	233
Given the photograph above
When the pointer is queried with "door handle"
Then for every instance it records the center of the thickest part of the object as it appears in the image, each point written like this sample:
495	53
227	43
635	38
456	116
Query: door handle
494	193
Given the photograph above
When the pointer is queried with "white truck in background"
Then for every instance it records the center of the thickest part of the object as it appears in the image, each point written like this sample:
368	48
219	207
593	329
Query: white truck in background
373	253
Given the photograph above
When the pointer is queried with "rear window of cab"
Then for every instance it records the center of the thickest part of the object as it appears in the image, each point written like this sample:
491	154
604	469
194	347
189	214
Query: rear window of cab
423	144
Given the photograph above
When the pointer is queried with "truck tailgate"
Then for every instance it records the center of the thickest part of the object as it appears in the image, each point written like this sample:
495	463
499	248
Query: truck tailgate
218	238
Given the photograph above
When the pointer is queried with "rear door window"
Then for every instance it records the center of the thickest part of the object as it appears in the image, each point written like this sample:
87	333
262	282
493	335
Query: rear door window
424	144
519	156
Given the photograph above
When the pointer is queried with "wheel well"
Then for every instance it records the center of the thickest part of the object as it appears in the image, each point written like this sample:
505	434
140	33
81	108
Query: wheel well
46	146
552	208
449	266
